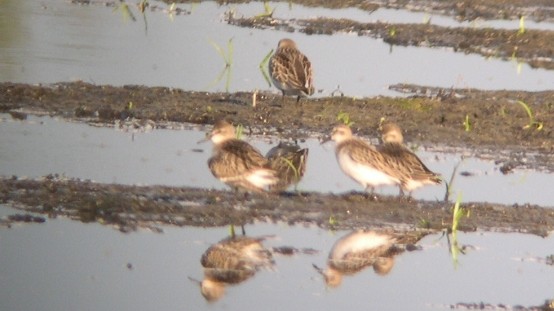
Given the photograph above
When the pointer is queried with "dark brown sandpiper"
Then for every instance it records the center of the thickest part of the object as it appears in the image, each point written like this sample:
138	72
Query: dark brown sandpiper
291	71
289	161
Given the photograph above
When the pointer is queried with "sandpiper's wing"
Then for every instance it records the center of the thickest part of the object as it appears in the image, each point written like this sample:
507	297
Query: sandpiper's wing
235	157
365	154
408	162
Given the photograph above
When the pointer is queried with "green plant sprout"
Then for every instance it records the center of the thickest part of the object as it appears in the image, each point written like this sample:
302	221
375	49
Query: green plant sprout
268	11
521	25
532	122
171	12
344	117
228	59
125	11
451	181
143	4
457	213
295	169
239	130
263	67
467	124
333	221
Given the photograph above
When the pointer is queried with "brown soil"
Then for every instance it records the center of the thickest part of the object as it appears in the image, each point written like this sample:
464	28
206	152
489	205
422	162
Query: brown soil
497	124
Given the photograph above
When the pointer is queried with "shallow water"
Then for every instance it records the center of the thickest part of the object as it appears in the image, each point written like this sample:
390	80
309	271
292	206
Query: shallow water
96	44
66	265
40	146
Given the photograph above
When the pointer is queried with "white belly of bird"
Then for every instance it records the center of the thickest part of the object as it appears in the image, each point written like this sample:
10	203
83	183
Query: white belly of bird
365	174
262	178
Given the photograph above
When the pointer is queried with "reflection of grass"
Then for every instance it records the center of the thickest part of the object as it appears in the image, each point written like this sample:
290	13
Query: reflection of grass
457	213
532	122
268	11
263	67
228	59
125	11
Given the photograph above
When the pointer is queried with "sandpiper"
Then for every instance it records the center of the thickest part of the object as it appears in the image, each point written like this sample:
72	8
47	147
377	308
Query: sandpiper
358	250
232	261
290	70
416	174
237	163
362	161
289	161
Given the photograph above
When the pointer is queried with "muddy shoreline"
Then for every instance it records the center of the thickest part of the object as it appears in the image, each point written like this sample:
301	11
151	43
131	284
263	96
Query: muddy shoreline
129	208
433	117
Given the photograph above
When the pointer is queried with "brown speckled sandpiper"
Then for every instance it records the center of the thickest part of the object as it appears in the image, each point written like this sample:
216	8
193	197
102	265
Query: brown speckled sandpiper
232	261
291	71
361	161
289	161
237	163
358	250
416	174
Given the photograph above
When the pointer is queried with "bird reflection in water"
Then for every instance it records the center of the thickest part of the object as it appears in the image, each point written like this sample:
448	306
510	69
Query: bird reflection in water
364	248
232	261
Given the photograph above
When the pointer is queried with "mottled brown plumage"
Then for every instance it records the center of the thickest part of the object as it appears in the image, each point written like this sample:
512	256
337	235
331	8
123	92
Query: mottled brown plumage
417	174
289	161
361	161
290	70
364	248
232	261
237	163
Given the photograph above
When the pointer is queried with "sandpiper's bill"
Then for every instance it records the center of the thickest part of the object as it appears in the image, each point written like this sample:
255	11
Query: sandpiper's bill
237	163
291	71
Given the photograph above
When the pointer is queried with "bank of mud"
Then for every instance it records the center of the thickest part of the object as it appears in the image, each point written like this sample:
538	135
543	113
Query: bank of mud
131	207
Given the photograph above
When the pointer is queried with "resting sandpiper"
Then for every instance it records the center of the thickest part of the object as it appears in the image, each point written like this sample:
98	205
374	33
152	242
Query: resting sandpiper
416	173
291	71
232	261
289	161
237	163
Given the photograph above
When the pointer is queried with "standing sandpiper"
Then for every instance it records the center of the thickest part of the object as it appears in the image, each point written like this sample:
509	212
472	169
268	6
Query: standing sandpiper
417	174
291	71
361	161
237	163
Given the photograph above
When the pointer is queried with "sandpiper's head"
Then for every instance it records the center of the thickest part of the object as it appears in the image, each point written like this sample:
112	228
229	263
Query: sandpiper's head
341	133
391	133
212	290
333	278
286	43
221	132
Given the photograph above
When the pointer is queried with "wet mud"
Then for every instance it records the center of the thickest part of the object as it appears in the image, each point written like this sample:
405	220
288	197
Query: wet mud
468	10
